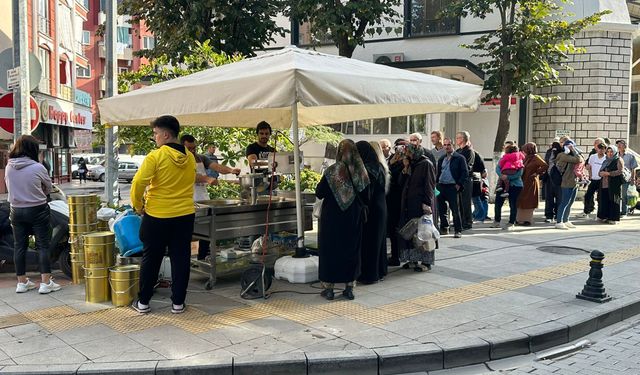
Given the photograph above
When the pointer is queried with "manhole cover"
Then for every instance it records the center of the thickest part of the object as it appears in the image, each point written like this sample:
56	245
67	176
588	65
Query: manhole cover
563	250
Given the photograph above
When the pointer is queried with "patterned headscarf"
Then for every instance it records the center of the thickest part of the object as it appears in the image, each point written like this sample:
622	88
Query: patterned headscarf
348	176
414	152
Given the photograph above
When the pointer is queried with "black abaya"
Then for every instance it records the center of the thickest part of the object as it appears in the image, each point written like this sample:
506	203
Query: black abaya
374	258
339	236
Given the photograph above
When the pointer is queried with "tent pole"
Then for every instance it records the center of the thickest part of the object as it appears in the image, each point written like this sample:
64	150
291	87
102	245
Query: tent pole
300	249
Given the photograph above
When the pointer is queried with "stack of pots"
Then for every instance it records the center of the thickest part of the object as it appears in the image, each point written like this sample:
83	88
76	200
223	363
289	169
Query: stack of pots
83	219
99	256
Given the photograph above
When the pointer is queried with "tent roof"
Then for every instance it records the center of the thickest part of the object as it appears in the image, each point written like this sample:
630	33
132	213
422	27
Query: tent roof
327	89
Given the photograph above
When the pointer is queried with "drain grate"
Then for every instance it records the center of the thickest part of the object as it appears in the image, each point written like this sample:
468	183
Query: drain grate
563	250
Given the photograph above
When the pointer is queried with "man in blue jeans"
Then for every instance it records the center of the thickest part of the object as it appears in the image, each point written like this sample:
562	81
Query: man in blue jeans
631	164
452	177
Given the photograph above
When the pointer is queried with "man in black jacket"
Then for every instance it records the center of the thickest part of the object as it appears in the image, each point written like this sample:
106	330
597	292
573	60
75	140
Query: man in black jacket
465	149
453	175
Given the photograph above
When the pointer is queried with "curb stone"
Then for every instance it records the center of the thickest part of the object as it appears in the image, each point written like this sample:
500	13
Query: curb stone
457	351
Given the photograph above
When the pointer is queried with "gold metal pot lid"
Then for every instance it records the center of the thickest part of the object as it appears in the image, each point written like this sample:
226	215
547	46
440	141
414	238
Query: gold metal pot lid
127	268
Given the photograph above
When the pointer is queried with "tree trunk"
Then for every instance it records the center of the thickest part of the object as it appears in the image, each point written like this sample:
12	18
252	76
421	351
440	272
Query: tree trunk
344	48
505	111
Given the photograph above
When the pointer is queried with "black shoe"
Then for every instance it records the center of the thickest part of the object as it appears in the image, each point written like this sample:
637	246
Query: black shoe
444	231
428	266
142	310
418	268
467	227
394	262
348	293
328	294
406	265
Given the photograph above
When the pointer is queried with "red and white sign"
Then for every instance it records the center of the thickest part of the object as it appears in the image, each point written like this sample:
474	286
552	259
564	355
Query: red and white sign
6	112
65	114
494	104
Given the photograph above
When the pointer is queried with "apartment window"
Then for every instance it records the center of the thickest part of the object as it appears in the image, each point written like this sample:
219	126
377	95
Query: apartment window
82	72
85	4
633	119
43	17
45	61
148	42
418	124
124	36
86	37
122	69
425	19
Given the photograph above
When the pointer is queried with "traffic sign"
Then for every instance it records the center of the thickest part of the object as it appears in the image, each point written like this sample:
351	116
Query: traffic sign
13	78
6	112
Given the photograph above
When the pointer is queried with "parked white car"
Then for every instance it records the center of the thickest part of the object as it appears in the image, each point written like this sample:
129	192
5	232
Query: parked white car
126	171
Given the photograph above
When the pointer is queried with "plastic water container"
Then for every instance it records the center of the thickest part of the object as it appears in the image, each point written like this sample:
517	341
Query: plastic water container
127	231
297	270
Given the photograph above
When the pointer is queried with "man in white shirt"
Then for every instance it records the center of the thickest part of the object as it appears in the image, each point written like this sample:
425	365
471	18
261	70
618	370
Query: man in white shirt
593	166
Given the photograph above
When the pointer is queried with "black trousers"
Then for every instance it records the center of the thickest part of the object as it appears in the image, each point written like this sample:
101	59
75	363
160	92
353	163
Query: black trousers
551	199
466	213
24	222
157	235
589	197
449	196
514	193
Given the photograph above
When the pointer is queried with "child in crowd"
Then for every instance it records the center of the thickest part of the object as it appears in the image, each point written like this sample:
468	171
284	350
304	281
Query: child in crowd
510	164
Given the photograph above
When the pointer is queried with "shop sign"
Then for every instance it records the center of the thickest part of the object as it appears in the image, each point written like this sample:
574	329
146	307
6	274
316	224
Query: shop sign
65	114
493	105
562	133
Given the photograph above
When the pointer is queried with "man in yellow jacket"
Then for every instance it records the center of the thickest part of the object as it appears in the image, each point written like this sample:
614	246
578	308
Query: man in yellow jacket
168	212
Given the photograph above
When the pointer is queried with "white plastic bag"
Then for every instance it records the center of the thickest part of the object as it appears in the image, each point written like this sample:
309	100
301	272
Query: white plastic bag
426	229
317	208
106	213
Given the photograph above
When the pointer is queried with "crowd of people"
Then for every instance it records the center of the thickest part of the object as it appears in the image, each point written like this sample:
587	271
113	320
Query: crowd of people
376	188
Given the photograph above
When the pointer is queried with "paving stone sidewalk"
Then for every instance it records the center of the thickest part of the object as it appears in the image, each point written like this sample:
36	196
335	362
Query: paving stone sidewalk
492	294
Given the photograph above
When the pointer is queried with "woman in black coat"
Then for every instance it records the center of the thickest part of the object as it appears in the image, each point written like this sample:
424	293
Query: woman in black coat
344	188
394	200
374	241
418	198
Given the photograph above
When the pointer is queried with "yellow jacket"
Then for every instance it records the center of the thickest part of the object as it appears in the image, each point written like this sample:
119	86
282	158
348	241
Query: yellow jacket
170	175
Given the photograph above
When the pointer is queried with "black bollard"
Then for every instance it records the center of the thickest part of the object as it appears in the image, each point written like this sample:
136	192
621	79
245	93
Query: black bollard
594	288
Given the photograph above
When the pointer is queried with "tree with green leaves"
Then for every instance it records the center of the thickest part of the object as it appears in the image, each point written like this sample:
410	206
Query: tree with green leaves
232	26
231	141
532	42
346	22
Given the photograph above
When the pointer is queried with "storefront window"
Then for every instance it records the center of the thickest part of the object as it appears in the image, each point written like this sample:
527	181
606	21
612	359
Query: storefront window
363	127
633	117
64	164
399	125
417	124
425	18
381	126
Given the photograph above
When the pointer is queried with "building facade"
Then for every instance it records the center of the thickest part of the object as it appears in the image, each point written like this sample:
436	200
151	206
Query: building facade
64	110
596	98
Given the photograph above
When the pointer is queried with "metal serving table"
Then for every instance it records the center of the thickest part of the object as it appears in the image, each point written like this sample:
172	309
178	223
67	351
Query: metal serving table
221	219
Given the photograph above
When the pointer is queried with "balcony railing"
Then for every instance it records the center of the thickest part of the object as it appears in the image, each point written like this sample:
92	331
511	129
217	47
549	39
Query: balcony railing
44	25
45	85
66	93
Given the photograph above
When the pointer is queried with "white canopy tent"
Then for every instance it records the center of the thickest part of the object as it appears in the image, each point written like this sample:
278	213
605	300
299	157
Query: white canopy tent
291	88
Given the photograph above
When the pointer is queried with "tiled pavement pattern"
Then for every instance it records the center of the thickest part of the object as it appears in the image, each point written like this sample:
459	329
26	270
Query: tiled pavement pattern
486	285
617	355
125	320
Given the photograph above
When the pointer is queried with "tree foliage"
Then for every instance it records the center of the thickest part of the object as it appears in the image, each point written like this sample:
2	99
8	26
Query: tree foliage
231	142
533	41
346	22
232	26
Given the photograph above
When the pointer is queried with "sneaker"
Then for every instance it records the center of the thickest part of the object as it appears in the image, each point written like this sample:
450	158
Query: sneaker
48	288
499	189
582	215
178	309
548	221
25	287
569	225
496	224
444	231
139	307
504	195
509	227
457	235
561	226
612	222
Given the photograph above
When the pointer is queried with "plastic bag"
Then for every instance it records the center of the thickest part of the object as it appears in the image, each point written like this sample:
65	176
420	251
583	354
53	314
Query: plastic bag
106	213
317	208
426	229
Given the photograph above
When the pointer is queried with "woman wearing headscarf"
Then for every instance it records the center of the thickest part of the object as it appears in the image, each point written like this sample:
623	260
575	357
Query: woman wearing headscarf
551	190
344	188
374	231
419	181
610	188
534	167
394	199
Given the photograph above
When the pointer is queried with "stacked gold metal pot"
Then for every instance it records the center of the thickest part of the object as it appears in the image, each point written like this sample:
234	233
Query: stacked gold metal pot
83	219
99	256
